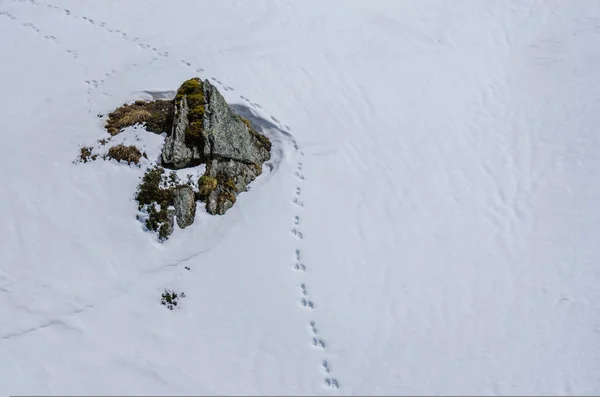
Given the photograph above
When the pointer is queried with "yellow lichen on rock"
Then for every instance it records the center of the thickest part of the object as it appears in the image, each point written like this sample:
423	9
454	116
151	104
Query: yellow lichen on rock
206	184
193	92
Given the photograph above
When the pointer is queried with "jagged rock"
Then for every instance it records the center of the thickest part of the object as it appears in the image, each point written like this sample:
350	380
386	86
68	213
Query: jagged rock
229	179
184	201
206	128
177	152
227	136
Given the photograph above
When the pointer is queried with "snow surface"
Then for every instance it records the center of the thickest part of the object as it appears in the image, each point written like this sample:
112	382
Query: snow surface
446	185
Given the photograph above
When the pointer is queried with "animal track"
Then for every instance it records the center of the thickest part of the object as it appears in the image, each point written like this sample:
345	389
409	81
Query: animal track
307	303
52	38
333	383
298	202
299	266
8	15
303	289
31	26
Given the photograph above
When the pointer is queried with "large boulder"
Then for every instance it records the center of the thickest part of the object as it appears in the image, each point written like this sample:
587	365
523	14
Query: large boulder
202	129
206	128
184	201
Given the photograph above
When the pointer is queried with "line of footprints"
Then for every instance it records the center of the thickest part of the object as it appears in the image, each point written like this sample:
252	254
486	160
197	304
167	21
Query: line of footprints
92	84
299	266
144	46
33	27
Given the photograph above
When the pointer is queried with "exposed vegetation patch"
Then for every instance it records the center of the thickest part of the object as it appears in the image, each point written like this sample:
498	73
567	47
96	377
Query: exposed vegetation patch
206	184
155	197
170	299
193	91
262	140
246	122
225	200
162	116
131	154
156	115
85	154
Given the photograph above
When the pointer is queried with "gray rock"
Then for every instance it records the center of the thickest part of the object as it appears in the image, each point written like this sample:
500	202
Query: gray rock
233	177
224	135
184	202
176	152
206	130
227	137
240	173
219	201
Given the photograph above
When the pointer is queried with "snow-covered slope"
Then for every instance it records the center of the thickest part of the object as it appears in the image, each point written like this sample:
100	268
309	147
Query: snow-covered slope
436	172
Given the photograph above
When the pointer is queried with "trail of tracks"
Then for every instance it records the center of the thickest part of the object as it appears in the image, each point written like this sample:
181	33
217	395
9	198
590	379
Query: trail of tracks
314	338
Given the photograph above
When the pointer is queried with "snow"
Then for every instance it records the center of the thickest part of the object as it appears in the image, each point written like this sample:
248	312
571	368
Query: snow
445	185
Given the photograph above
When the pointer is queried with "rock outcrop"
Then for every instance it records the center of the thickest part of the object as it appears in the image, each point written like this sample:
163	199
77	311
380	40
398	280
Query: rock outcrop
232	177
203	130
206	130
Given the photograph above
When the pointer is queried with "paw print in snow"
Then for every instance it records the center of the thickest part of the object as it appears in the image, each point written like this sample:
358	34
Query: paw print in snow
333	383
297	233
308	304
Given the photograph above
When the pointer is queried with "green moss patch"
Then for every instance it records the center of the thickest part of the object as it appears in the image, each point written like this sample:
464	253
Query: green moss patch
155	194
193	91
206	184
